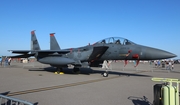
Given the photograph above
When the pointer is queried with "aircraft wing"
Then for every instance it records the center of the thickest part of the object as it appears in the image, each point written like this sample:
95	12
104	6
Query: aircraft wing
29	53
40	51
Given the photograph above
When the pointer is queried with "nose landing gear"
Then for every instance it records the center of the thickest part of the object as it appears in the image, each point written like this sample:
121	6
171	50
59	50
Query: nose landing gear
105	74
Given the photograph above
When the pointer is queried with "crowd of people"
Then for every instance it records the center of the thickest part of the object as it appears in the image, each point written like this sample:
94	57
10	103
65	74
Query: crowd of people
6	60
167	64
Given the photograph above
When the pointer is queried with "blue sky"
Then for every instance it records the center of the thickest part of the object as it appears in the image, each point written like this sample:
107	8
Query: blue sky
154	23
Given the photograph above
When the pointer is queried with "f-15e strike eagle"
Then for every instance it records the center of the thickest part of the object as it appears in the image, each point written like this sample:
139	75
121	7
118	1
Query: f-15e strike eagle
113	48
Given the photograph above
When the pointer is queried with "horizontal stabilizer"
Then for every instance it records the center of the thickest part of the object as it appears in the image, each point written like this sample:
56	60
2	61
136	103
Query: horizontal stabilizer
20	51
22	56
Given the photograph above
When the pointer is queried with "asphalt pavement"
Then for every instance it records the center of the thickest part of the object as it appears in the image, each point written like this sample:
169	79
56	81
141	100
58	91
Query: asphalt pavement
37	83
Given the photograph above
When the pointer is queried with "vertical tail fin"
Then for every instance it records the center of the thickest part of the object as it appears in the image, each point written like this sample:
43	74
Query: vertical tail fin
53	43
34	42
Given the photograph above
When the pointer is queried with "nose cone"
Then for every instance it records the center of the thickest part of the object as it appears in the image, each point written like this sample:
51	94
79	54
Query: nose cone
155	54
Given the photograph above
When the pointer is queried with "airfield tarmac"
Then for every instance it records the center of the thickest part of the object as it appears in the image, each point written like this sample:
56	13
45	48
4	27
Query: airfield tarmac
37	83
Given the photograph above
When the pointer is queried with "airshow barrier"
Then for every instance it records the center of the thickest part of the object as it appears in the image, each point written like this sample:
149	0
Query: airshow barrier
5	100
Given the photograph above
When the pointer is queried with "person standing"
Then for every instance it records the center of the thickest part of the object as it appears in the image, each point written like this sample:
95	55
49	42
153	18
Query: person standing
5	62
1	60
158	63
109	64
105	64
155	62
9	61
150	62
170	65
163	64
167	65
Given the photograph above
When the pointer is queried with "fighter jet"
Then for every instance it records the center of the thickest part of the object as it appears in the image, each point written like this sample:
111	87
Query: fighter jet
112	48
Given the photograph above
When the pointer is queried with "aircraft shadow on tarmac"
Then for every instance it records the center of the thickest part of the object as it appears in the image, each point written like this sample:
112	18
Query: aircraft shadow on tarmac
87	71
140	100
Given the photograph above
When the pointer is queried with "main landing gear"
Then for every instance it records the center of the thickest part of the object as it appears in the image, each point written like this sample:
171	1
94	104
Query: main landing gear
76	70
59	71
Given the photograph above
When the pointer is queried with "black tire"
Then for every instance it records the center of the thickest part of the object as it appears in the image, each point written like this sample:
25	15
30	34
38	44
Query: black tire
157	94
59	70
105	74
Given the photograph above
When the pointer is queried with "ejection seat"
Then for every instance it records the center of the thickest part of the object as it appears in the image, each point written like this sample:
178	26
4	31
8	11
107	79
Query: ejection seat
118	42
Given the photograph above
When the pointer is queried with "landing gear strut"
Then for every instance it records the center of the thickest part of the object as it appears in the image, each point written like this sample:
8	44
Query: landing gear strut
76	71
59	70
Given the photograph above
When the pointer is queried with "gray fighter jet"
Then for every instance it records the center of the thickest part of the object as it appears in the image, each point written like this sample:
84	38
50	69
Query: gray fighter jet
113	48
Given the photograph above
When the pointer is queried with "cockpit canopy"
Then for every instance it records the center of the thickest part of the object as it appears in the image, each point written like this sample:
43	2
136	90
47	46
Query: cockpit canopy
116	40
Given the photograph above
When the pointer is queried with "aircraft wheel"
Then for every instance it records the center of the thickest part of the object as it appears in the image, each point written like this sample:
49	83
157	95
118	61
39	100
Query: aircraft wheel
105	74
59	70
76	71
